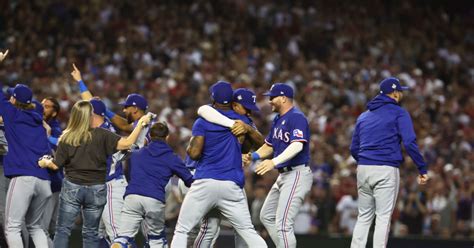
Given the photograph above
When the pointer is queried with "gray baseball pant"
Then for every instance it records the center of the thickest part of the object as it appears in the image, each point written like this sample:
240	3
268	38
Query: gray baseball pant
283	203
137	208
378	190
228	197
26	200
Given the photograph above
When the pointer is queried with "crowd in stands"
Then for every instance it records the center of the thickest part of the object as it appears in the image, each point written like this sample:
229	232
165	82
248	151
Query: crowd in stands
333	53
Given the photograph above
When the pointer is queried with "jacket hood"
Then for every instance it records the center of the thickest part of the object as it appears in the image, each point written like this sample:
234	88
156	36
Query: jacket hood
158	148
30	118
379	101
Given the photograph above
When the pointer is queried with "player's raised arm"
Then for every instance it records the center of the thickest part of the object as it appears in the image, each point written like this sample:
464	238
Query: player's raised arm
3	55
117	120
76	74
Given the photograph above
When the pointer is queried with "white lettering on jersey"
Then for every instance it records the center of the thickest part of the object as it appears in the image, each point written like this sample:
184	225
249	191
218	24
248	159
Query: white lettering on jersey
279	134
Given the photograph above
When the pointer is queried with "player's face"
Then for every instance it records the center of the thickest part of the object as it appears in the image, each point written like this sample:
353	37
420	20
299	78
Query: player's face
275	102
49	111
239	109
129	113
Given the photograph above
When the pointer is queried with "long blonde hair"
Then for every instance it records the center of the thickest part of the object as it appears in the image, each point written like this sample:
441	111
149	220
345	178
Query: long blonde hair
78	128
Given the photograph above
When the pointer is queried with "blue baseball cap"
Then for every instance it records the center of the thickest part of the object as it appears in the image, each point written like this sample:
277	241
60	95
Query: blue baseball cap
279	89
391	84
247	98
98	106
22	93
221	92
135	100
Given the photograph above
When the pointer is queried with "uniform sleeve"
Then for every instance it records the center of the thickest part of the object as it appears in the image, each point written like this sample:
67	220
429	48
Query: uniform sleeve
355	145
405	127
182	172
198	128
299	129
110	140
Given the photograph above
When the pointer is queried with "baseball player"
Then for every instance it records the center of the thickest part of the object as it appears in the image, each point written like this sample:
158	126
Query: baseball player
50	111
151	168
376	148
244	102
134	108
219	176
288	142
29	189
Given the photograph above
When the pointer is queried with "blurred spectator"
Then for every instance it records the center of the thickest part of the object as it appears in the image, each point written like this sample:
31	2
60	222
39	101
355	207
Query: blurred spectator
305	220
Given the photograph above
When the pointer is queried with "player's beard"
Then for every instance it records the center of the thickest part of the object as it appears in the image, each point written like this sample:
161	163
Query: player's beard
129	118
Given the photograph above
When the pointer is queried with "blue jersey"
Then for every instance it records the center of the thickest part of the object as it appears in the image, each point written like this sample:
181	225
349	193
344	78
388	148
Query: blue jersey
118	167
151	168
290	127
379	132
58	175
221	157
27	141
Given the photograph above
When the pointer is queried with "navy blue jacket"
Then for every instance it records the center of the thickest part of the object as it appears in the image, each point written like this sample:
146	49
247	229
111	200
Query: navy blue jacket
379	132
27	141
151	167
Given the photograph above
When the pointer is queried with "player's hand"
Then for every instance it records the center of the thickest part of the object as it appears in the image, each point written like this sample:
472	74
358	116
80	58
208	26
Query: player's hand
145	120
265	166
76	74
3	55
246	159
239	128
45	161
422	179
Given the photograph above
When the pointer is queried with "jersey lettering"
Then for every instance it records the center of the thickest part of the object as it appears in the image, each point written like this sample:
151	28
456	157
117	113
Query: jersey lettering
279	134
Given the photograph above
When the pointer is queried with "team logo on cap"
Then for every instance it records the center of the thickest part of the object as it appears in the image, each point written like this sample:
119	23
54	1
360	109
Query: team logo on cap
394	86
239	97
298	133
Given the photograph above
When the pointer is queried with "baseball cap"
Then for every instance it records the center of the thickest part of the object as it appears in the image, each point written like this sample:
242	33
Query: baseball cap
135	100
390	84
98	106
221	92
247	98
22	93
279	89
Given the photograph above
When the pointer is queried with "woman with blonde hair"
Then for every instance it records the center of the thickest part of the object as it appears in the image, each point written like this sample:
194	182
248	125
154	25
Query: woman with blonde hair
82	152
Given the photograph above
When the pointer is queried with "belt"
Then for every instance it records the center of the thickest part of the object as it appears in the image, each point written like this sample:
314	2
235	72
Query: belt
290	168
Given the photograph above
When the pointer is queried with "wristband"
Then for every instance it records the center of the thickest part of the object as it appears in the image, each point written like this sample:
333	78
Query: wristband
53	140
109	114
82	86
255	156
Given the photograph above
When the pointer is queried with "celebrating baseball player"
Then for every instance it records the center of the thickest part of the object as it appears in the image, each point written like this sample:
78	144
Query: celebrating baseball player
288	142
376	148
29	189
151	167
219	175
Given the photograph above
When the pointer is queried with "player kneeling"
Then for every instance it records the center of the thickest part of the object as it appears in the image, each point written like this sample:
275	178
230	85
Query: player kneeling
151	167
